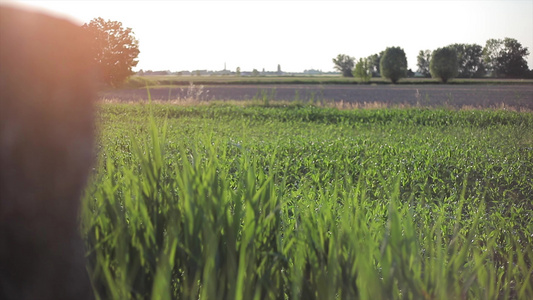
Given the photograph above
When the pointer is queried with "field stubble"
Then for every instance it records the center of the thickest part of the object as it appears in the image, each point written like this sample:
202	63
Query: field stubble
515	97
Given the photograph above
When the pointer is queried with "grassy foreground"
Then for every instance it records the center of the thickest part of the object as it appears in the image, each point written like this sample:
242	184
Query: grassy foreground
300	202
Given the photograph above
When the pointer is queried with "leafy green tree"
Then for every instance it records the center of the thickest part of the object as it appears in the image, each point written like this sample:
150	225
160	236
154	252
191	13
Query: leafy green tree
491	51
505	58
393	64
374	63
238	71
470	60
422	62
363	70
344	64
512	60
444	64
115	50
255	72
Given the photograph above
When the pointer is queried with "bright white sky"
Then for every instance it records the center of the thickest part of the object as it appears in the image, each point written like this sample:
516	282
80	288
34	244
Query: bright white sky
298	35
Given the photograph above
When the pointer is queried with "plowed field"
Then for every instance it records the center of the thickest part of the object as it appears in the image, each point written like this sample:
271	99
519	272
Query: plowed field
457	96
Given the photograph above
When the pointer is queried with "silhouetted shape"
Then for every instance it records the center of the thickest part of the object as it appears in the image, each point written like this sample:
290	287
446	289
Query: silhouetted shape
115	50
46	150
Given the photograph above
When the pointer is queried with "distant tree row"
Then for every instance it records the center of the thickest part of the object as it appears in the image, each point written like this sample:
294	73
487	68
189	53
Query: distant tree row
390	64
499	58
116	50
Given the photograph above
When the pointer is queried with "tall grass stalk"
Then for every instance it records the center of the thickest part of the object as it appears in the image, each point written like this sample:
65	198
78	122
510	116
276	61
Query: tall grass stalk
207	218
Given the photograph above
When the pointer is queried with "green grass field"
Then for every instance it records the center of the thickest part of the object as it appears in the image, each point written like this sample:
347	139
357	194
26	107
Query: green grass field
300	202
173	80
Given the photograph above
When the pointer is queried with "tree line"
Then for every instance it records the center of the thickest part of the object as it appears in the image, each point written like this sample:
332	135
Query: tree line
116	50
500	58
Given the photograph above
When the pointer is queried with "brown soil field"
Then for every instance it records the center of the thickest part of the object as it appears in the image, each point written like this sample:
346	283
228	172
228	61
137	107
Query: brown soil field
518	97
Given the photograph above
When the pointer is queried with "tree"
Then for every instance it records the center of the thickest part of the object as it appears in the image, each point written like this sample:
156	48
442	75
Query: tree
512	59
344	64
255	72
422	62
490	55
505	58
115	50
279	70
374	63
393	64
238	71
470	60
444	64
363	70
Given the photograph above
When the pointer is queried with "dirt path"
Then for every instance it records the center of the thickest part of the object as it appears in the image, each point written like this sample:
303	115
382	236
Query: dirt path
517	96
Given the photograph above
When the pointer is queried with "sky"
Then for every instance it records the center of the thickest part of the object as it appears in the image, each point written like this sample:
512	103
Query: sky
297	35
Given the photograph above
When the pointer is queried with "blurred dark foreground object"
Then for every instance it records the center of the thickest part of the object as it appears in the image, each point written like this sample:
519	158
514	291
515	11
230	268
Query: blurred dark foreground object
46	150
